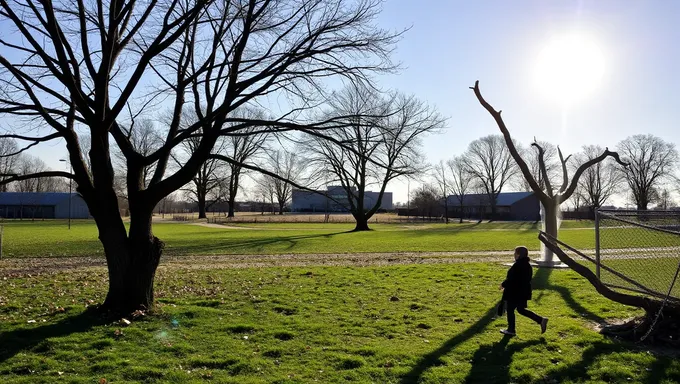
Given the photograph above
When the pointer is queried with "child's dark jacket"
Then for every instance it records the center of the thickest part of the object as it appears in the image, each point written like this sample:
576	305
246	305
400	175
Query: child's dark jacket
517	284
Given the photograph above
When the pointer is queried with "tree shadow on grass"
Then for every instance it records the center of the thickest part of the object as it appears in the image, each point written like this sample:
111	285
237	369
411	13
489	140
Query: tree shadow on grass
428	231
541	282
16	341
491	363
433	358
202	247
657	371
579	371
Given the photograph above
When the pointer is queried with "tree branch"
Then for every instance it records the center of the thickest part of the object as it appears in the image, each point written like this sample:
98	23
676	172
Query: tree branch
268	173
565	173
574	181
635	301
16	177
511	146
542	168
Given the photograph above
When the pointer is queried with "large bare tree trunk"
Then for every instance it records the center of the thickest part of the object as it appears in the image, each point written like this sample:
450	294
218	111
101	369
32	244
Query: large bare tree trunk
550	212
232	202
132	262
201	206
642	203
361	224
233	190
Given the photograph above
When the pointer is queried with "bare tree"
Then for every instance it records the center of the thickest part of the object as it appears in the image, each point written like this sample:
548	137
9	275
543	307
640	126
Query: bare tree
242	148
599	182
90	65
378	142
550	197
8	160
442	185
27	164
490	162
551	161
166	205
265	191
578	199
426	201
145	140
651	161
666	200
287	165
461	181
207	187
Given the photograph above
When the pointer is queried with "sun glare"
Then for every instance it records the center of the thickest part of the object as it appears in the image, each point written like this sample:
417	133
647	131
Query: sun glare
569	68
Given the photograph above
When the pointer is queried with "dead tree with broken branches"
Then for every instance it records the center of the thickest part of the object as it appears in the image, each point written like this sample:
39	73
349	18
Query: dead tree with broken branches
551	197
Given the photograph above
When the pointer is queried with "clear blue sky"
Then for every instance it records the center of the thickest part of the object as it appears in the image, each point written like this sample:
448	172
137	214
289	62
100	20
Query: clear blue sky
453	43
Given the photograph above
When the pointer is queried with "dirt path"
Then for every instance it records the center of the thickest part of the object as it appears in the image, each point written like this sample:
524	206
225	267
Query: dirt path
219	226
400	227
31	266
28	266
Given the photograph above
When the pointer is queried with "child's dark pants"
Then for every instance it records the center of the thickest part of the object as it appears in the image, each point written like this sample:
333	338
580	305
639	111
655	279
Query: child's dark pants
522	311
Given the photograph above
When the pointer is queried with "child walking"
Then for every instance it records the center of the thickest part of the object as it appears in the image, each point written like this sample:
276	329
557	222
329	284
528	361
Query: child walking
517	291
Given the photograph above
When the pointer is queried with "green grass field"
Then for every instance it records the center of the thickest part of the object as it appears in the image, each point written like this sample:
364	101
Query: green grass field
52	239
398	324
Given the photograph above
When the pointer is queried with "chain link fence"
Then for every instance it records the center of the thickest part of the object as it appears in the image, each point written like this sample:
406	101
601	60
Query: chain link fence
638	251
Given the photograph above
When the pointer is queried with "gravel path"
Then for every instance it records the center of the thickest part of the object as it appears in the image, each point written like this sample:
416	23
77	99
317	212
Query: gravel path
26	266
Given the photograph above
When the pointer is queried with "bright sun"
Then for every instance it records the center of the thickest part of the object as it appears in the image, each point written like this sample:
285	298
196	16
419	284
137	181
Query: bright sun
569	68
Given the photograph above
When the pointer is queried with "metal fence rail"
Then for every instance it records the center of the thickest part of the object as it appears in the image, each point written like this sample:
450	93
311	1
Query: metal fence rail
641	247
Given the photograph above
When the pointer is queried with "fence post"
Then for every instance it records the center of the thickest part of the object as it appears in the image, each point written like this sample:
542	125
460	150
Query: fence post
597	243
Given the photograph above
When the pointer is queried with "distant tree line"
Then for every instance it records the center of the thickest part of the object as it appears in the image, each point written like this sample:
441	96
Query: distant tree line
486	168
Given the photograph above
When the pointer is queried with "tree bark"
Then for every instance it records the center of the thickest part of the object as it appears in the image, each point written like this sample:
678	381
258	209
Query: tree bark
550	222
201	207
133	261
233	190
230	212
281	204
642	203
361	224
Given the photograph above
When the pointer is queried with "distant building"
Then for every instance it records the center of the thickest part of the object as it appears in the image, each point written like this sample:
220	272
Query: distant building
306	201
523	206
42	205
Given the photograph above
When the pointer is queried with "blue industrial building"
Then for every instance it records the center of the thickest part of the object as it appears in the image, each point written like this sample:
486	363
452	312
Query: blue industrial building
523	206
42	205
307	201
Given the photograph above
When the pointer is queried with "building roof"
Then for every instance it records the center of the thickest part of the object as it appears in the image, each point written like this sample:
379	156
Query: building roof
504	198
33	198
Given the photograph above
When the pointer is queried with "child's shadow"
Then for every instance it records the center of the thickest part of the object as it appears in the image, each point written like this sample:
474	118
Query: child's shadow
491	363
